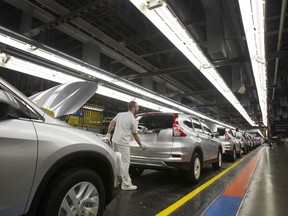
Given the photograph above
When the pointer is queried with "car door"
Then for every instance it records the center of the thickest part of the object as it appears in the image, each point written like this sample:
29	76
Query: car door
212	143
236	141
203	139
18	156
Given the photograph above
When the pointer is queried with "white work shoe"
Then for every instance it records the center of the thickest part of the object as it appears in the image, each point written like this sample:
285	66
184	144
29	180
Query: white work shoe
128	188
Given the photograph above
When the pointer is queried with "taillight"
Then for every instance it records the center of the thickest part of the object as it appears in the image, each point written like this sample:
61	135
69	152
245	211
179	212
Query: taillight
227	136
177	129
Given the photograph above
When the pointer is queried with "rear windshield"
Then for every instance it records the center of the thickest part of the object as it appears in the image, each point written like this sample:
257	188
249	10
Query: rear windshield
221	131
156	121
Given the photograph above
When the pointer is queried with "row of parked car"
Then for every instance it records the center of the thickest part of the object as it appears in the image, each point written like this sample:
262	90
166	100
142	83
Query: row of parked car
185	142
50	168
235	143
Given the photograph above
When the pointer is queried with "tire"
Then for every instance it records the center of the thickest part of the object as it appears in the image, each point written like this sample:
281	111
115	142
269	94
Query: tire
239	155
135	171
217	165
81	186
245	150
195	172
233	155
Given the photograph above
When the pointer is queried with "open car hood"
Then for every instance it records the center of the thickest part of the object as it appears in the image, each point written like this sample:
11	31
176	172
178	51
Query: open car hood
65	98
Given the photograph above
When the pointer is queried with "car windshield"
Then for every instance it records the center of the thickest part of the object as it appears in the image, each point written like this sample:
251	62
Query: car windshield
156	121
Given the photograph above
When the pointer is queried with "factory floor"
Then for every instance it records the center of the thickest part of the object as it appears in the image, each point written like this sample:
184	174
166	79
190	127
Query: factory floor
256	184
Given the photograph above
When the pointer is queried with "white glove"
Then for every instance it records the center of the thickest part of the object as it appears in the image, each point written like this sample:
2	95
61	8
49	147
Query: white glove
142	147
108	136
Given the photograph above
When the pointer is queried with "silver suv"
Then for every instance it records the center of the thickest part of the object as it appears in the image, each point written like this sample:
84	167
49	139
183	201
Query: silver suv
230	146
47	167
174	141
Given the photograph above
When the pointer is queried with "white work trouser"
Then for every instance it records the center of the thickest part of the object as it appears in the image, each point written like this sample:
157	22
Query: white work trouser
125	156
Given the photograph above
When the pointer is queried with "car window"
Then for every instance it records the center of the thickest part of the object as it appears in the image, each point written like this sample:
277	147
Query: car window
197	125
25	112
232	133
206	129
221	131
188	123
156	121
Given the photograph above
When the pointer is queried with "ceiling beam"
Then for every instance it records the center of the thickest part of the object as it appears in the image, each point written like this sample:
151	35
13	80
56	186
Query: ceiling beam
182	69
279	54
66	18
230	62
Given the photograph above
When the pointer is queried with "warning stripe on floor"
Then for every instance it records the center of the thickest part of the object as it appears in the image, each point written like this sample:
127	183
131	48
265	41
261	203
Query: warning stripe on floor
230	200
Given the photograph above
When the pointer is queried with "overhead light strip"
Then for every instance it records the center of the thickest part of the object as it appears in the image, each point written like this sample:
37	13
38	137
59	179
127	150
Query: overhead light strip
36	70
94	108
90	71
158	12
253	19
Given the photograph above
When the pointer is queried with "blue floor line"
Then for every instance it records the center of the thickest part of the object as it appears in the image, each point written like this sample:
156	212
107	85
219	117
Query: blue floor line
224	206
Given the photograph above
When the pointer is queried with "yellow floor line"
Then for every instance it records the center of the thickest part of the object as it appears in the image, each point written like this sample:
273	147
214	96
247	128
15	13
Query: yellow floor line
192	194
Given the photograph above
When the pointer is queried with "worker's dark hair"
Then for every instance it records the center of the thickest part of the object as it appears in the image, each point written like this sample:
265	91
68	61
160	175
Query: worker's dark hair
237	129
131	104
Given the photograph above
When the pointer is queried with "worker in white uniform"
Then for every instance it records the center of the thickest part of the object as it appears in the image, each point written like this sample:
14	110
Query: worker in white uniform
126	127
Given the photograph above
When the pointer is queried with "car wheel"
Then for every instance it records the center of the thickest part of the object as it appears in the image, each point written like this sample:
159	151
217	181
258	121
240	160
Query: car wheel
239	153
75	192
245	150
217	165
135	171
194	174
233	155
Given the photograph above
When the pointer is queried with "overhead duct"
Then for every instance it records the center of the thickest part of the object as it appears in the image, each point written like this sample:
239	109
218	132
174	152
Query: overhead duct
215	30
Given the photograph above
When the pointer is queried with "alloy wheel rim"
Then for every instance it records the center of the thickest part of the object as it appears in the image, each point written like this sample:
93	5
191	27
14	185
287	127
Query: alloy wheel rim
220	159
81	200
197	168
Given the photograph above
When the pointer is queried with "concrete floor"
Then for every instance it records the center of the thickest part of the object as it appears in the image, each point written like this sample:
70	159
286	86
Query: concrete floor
265	192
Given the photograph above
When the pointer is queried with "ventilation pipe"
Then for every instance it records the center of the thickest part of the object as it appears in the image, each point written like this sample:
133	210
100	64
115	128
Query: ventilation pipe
281	26
215	30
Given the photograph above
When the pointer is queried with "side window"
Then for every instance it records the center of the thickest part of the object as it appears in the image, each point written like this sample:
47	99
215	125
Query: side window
206	129
232	133
155	121
14	107
27	112
197	125
188	123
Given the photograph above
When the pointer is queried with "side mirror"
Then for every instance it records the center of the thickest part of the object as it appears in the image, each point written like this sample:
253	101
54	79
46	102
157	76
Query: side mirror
8	106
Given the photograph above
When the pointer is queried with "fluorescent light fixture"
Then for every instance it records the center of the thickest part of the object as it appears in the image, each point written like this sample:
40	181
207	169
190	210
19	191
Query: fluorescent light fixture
89	107
204	65
36	70
59	77
158	12
253	17
126	98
